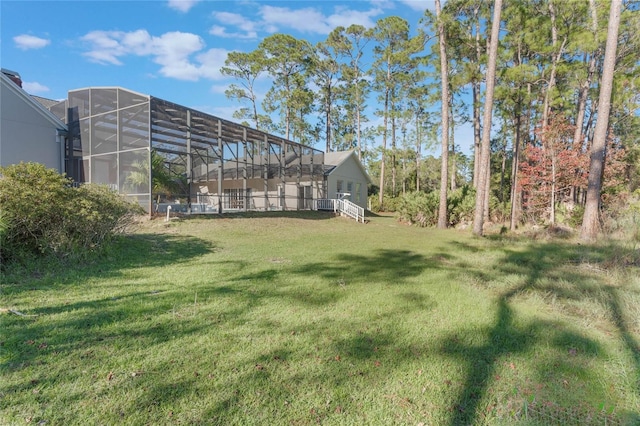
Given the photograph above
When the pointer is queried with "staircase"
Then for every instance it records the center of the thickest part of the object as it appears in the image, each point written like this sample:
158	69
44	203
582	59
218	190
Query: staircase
342	206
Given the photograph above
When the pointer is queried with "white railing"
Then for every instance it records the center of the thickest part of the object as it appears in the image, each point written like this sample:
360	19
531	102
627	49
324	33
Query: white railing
325	204
344	207
352	210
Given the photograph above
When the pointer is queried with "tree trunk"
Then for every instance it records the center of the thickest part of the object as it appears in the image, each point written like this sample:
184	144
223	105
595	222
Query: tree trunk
483	182
582	104
552	76
476	106
384	148
552	206
454	183
255	111
591	218
515	168
476	132
444	75
503	169
394	169
358	120
487	190
584	88
328	122
418	152
578	136
404	174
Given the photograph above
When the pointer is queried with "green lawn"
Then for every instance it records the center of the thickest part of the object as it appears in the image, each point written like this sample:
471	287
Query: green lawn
306	319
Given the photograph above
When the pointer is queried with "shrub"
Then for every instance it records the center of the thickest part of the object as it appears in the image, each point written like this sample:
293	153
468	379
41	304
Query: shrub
390	204
622	218
419	208
461	205
374	206
43	214
570	215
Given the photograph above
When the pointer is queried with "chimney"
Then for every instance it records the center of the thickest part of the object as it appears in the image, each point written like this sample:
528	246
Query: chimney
14	76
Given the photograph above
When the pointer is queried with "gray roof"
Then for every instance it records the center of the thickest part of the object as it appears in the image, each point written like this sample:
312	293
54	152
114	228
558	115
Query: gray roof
333	159
47	103
336	158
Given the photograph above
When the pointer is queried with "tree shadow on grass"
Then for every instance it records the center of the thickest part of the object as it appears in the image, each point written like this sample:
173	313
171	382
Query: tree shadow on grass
126	253
540	269
360	350
63	326
383	266
364	350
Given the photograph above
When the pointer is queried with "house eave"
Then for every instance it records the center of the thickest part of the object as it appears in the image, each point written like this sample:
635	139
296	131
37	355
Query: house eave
21	93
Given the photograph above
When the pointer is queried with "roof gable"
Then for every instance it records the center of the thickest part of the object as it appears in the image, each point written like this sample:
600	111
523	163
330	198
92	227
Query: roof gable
45	102
333	160
35	105
336	158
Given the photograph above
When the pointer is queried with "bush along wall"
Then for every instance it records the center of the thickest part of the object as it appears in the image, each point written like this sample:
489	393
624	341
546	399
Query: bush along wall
42	214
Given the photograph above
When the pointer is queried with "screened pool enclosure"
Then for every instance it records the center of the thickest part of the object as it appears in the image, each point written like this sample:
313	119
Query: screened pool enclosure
162	154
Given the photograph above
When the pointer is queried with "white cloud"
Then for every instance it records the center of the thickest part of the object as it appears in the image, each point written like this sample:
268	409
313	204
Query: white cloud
182	5
26	42
304	20
211	61
34	87
105	47
346	17
236	19
246	26
172	51
219	31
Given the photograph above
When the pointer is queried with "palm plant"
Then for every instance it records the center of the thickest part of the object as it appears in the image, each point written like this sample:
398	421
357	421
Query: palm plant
162	182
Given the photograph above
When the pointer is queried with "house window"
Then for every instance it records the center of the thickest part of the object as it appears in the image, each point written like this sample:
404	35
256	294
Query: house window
350	190
234	199
357	192
339	186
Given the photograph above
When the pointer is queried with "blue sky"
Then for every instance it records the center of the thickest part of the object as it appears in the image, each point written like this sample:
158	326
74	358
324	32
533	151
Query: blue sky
169	49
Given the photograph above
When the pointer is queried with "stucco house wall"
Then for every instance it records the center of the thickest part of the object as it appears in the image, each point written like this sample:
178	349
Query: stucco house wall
346	174
28	131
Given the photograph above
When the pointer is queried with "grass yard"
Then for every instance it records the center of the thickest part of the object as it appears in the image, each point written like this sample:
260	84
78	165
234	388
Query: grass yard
305	319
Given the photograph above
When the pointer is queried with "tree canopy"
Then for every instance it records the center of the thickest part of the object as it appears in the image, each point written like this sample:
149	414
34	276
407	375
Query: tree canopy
391	91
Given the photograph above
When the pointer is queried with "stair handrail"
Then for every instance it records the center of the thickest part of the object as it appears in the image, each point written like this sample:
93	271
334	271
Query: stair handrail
343	206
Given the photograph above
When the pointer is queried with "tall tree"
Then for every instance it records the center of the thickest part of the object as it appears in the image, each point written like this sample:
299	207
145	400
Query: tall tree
393	64
326	71
557	51
350	43
584	85
418	102
444	78
478	221
246	68
591	218
466	57
513	94
287	59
